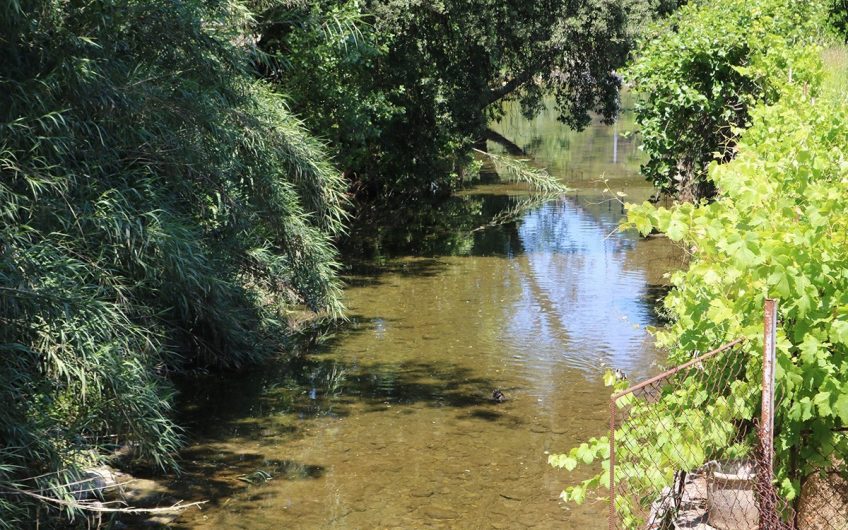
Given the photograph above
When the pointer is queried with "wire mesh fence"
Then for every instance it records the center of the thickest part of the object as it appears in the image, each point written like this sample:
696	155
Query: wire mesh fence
672	447
694	448
814	463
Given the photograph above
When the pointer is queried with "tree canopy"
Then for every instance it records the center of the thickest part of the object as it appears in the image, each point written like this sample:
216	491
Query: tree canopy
402	88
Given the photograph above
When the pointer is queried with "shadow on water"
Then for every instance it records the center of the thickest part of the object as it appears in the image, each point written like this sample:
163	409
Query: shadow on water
487	415
245	470
367	273
451	227
316	387
241	418
202	480
390	421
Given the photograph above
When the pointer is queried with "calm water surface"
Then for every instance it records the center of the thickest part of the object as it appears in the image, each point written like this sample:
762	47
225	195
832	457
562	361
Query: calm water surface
390	423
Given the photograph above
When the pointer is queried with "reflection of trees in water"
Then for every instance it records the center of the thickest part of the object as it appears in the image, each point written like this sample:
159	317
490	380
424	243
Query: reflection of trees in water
607	212
590	226
561	227
579	295
480	225
447	228
595	151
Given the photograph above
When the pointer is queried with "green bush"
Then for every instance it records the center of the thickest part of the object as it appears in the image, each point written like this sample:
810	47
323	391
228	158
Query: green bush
159	208
702	71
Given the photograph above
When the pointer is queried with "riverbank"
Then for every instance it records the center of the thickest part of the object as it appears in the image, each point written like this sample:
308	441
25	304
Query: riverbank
772	229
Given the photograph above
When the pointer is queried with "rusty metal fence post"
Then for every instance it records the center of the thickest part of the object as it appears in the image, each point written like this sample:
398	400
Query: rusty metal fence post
612	524
767	506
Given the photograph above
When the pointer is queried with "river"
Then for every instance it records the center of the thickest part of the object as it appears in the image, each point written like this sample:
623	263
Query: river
389	423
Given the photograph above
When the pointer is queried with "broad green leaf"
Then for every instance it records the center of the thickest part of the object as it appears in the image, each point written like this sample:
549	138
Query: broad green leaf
841	407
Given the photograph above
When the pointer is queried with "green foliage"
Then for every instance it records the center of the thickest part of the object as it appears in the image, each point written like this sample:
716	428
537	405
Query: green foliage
521	171
403	98
702	71
159	208
839	17
777	229
330	76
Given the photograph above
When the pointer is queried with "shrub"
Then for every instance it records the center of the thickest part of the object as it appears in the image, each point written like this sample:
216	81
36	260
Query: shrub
159	208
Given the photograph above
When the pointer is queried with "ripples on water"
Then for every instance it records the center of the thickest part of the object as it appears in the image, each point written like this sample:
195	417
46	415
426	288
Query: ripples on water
391	424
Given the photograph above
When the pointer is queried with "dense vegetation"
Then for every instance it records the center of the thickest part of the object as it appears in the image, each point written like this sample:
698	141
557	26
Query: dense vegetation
775	229
701	74
164	208
839	17
407	86
161	208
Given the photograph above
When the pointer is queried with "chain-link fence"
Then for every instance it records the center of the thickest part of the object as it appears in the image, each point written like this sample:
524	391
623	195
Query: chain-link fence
686	453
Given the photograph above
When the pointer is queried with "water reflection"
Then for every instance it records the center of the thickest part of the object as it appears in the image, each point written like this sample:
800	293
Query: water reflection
577	156
580	299
391	423
459	226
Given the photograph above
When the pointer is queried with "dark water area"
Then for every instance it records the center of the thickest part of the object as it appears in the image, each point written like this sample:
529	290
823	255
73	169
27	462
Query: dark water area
390	422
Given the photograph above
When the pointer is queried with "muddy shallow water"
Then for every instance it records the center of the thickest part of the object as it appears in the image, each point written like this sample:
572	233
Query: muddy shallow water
390	424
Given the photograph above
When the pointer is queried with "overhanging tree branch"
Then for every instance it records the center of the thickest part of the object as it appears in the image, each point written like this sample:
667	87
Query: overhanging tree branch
498	93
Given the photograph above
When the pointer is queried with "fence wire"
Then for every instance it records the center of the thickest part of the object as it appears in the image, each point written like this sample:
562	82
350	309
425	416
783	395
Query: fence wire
685	453
672	444
815	465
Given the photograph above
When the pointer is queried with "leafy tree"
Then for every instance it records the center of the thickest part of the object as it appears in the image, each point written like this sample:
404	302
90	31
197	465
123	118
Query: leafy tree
403	88
159	208
700	72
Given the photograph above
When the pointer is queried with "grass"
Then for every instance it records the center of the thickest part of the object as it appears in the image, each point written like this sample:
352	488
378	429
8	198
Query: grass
835	59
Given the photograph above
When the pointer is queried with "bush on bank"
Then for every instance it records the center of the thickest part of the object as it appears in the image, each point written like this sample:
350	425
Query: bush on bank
777	228
702	71
159	208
